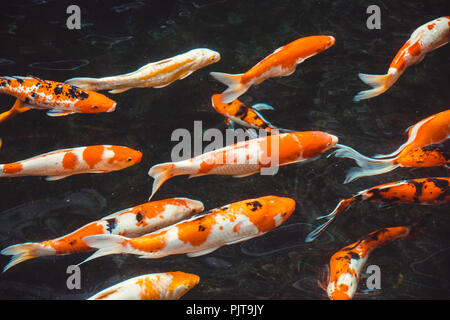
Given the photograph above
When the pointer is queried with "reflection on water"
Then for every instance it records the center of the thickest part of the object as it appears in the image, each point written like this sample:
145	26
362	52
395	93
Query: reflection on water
61	65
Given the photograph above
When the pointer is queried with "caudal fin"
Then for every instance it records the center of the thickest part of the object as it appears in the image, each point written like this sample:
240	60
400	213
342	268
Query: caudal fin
25	251
106	244
342	205
235	87
367	166
161	173
84	83
379	83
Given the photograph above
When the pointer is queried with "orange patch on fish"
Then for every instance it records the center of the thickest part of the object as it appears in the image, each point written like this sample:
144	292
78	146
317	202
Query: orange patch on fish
196	232
70	160
93	155
11	168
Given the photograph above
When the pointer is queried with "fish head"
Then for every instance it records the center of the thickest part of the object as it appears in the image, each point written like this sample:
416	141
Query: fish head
94	102
123	157
182	282
194	205
339	292
313	143
330	42
279	209
208	56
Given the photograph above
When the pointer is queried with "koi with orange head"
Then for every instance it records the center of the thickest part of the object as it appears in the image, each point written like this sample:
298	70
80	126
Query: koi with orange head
424	191
426	38
428	145
281	63
155	286
341	277
248	157
201	235
62	163
58	98
131	222
238	113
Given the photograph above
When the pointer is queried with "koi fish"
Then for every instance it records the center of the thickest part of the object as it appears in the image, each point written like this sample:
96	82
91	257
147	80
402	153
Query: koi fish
426	38
427	146
424	191
63	163
249	157
156	74
155	286
237	112
131	222
281	63
60	99
201	235
342	276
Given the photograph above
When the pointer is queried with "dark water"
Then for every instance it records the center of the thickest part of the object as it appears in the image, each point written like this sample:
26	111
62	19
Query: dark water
120	36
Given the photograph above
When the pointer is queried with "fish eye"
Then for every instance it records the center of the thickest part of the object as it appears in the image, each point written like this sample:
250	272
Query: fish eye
94	107
129	159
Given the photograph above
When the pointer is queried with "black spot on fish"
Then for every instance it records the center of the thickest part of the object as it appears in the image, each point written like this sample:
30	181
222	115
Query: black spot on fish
33	95
19	80
255	205
201	228
139	216
354	255
71	243
58	89
242	112
27	100
419	189
111	224
443	148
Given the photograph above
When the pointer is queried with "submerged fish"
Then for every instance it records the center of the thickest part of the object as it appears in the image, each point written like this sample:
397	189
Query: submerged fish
156	74
131	222
424	191
428	145
281	63
202	234
58	98
238	113
342	276
424	39
246	158
63	163
155	286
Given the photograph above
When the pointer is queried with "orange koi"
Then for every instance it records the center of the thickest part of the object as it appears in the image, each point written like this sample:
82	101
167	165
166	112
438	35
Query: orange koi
427	146
155	286
237	112
131	222
59	98
62	163
201	235
426	38
246	158
156	74
424	191
281	63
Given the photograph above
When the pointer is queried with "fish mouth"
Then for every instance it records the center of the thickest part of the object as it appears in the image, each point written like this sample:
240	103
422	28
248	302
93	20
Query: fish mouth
331	41
113	108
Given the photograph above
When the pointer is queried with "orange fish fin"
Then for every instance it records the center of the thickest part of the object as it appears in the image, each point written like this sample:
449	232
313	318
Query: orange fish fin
201	253
58	113
25	251
161	173
114	91
379	83
235	87
245	174
55	178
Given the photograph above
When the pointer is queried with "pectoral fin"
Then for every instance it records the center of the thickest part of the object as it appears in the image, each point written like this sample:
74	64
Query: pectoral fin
58	113
201	253
55	178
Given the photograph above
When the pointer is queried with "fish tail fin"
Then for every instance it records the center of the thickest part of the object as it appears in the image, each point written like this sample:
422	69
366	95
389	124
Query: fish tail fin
84	83
106	244
235	87
161	173
367	166
379	83
313	235
25	251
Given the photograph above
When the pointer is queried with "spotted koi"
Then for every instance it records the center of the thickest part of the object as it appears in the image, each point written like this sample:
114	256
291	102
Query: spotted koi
58	98
424	191
426	38
131	222
237	112
345	266
155	286
281	63
248	157
427	146
156	74
62	163
203	234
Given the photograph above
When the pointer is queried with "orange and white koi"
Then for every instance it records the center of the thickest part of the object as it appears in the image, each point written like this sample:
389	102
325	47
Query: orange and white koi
62	163
58	98
237	112
281	63
131	222
426	38
248	157
155	286
156	74
424	191
427	146
201	235
342	276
